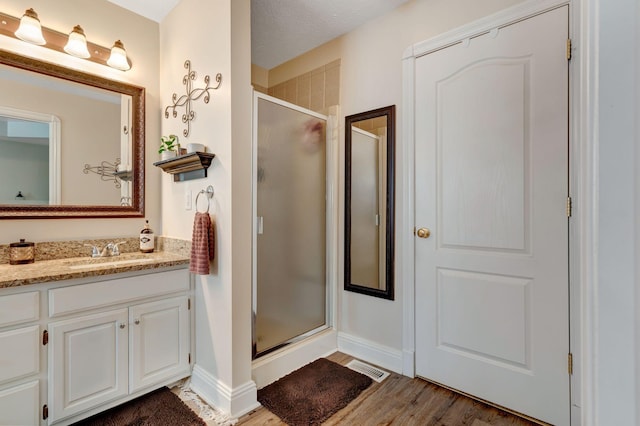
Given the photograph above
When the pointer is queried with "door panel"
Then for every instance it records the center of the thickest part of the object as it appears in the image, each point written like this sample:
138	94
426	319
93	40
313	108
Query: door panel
491	183
469	328
87	362
483	166
159	342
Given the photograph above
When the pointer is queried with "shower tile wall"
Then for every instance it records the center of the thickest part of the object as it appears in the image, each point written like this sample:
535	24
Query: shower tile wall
316	90
260	89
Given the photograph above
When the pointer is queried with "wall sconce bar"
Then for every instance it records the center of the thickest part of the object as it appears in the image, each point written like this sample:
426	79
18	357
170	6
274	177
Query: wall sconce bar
55	40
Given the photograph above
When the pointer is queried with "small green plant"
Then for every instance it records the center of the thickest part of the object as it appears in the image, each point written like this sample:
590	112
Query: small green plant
169	143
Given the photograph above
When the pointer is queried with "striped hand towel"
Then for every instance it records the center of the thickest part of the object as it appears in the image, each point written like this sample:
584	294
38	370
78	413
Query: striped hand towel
202	244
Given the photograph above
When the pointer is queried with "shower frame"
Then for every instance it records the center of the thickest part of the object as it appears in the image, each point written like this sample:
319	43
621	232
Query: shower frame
331	215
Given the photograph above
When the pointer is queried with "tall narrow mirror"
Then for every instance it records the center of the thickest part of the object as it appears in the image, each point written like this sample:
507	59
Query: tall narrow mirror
369	202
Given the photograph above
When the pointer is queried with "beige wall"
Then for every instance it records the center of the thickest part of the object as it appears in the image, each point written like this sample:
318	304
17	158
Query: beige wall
259	78
103	23
223	298
371	77
93	141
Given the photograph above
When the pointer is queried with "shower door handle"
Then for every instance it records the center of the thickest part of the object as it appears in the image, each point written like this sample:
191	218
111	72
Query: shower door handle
259	224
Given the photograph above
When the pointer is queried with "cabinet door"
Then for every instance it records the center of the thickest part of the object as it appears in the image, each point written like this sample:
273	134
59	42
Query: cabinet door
159	342
19	405
87	362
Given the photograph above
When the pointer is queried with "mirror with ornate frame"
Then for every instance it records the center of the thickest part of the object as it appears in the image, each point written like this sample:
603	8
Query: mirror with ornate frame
369	202
73	143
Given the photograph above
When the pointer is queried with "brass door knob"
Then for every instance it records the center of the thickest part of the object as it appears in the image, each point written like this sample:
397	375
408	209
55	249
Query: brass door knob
423	232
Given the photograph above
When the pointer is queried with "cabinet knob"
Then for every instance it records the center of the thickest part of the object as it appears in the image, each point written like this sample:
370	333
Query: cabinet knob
122	325
137	321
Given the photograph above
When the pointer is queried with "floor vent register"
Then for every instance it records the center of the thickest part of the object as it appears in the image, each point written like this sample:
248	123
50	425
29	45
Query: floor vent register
368	370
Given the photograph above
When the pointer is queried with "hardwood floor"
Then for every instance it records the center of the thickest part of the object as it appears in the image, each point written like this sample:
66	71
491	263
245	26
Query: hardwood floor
399	400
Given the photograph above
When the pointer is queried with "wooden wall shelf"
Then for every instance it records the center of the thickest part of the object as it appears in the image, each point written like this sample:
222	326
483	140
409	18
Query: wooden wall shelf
186	167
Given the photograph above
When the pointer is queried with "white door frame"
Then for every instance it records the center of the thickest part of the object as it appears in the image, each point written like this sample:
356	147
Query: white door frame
583	223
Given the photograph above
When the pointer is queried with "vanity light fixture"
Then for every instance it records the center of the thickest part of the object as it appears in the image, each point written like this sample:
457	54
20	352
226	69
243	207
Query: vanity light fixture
30	29
118	58
77	43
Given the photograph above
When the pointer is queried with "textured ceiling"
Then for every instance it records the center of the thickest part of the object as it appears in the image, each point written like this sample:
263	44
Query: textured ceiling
284	29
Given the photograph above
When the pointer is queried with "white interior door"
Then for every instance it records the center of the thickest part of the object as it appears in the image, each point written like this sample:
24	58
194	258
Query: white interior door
491	184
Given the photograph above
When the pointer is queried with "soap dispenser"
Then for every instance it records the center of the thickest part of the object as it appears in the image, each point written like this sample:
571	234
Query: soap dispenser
146	239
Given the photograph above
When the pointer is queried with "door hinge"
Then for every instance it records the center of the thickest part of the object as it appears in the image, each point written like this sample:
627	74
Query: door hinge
45	412
188	304
569	207
45	338
189	358
568	49
570	363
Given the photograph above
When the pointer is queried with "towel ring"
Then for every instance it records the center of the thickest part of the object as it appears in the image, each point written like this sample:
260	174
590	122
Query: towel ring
209	193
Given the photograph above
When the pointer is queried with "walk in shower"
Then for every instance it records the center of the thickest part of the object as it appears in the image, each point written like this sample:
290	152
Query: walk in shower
290	292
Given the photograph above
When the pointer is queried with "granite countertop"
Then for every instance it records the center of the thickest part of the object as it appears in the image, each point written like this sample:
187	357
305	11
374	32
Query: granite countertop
42	271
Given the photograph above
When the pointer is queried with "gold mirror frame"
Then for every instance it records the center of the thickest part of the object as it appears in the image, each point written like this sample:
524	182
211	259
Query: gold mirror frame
137	142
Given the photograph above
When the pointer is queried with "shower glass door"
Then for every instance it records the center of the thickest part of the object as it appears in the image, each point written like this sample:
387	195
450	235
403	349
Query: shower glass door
290	290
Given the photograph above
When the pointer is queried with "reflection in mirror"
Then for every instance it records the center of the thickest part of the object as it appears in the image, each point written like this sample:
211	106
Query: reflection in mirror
89	120
29	164
71	143
369	202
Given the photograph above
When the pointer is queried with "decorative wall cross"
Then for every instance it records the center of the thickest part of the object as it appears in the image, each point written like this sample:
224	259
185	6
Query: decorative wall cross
192	95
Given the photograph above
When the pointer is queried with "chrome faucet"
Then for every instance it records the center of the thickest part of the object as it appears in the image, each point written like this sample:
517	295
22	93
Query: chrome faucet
110	249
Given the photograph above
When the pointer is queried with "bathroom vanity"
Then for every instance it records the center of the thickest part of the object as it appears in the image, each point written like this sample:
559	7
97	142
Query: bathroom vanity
83	337
80	335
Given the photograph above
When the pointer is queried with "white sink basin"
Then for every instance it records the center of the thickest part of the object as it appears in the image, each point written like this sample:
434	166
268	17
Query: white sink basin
94	264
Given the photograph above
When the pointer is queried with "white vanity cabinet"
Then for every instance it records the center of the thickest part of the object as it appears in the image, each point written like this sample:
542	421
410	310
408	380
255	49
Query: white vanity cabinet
19	359
139	339
71	349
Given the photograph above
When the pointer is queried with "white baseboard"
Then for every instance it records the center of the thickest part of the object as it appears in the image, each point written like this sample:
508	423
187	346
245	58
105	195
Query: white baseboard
235	402
270	368
371	352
